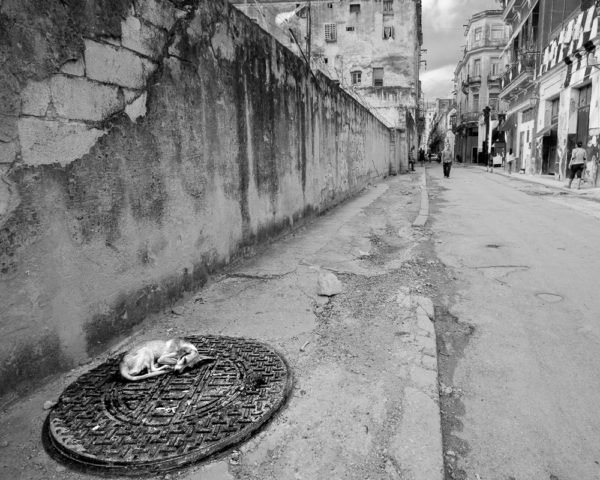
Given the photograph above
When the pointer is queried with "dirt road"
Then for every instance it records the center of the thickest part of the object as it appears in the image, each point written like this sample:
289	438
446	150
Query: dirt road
519	336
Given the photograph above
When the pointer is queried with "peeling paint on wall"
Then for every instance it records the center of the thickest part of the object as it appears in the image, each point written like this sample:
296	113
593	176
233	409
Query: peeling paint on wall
111	208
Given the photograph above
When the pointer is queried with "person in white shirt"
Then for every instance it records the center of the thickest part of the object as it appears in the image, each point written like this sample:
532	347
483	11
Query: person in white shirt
510	159
577	164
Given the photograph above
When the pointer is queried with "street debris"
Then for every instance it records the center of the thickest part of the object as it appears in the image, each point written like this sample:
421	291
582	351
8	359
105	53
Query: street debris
48	404
303	347
362	254
329	284
234	458
177	310
198	299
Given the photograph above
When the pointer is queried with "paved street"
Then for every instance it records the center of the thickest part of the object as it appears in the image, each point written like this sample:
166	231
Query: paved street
523	404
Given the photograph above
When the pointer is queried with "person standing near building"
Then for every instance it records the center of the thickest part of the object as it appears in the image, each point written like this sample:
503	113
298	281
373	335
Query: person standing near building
411	159
509	160
577	164
447	162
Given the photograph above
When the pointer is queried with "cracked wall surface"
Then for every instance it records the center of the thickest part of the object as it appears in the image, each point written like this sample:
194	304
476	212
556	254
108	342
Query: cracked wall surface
143	144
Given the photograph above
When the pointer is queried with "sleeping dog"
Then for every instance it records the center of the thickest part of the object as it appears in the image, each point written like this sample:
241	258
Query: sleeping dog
158	357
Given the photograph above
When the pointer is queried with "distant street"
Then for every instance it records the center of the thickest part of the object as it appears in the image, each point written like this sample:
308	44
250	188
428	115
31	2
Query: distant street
523	403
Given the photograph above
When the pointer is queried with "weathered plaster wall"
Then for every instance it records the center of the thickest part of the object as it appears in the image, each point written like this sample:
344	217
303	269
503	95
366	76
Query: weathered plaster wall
144	143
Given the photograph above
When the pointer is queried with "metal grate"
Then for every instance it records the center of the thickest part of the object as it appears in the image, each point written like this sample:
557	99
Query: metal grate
102	423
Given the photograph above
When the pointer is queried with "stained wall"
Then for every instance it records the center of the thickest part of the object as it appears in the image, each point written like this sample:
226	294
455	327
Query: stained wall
143	145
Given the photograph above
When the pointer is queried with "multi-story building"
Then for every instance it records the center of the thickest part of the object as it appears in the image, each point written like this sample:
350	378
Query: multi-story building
567	82
372	47
477	84
548	83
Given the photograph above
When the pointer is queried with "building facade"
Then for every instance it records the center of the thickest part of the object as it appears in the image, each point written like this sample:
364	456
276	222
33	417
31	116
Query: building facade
477	84
550	85
372	47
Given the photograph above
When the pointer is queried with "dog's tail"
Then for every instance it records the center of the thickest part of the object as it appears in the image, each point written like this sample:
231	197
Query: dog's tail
134	378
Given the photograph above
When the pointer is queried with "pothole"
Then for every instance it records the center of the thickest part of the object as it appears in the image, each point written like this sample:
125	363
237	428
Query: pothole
549	297
105	424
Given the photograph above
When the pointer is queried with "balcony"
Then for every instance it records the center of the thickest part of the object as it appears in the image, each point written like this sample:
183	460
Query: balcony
518	76
494	78
470	81
470	117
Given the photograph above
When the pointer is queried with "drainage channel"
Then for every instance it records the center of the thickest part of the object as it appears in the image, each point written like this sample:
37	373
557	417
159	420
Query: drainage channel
106	425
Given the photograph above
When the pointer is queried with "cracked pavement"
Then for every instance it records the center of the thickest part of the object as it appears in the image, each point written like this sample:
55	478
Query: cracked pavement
365	399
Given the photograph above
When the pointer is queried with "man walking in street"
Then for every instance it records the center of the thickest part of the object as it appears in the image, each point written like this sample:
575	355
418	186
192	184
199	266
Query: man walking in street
577	164
446	162
422	156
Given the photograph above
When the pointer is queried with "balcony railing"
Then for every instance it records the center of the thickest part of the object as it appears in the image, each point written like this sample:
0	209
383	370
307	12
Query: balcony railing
494	77
487	42
524	66
470	117
470	80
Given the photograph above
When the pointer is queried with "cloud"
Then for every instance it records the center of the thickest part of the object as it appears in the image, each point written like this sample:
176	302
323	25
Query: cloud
452	14
443	14
437	83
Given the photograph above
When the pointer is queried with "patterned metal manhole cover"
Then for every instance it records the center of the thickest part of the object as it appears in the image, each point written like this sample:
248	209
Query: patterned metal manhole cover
105	424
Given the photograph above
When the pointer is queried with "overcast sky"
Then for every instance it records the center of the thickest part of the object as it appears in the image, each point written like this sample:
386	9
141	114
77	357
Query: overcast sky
443	37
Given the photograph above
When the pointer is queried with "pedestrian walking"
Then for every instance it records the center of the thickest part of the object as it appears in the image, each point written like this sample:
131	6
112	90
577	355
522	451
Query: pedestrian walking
411	159
509	160
422	156
490	161
429	156
446	162
577	164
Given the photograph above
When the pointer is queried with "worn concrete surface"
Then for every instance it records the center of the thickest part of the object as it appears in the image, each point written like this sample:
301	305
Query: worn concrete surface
525	260
365	402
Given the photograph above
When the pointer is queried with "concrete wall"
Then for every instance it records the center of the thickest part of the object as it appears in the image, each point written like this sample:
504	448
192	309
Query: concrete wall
143	144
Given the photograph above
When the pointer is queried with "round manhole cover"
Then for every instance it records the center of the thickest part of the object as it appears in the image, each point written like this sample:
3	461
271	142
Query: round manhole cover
106	424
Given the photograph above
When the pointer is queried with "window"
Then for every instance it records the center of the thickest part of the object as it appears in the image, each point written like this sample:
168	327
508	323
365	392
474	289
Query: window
475	103
494	101
388	32
477	67
330	5
330	32
495	67
349	29
478	34
497	33
356	77
354	8
378	76
388	6
554	108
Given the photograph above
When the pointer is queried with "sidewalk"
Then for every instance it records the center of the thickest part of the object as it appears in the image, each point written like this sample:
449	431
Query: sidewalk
549	181
365	402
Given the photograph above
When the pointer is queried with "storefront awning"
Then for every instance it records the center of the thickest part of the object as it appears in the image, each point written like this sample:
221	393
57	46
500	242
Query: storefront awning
547	131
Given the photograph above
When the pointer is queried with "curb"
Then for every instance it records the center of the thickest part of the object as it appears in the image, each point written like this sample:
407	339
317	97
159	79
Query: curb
532	179
421	219
421	450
